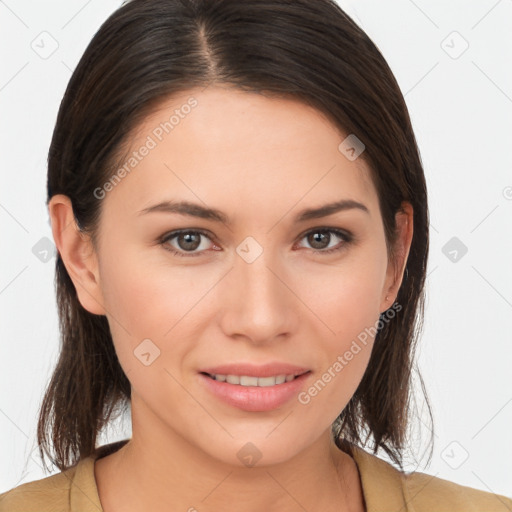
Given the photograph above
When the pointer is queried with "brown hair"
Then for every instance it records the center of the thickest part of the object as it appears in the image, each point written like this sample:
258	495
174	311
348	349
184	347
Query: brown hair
309	50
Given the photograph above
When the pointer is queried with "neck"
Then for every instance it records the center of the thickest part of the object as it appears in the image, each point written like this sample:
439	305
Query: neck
158	467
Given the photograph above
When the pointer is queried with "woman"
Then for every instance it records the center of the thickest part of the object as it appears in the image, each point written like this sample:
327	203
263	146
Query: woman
240	212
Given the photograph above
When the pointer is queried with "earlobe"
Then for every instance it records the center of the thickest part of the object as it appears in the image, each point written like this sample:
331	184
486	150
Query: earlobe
77	253
396	268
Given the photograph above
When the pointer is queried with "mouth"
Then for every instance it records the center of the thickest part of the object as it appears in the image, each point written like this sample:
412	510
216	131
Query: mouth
256	392
253	381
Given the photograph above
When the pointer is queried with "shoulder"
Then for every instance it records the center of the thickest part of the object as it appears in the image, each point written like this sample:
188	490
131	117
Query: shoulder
72	490
385	486
427	493
47	494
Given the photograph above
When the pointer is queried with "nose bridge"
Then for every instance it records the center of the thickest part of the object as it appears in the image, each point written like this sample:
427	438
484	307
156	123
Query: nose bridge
259	281
261	304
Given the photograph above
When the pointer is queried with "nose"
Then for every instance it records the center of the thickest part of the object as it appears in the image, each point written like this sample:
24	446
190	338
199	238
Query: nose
260	305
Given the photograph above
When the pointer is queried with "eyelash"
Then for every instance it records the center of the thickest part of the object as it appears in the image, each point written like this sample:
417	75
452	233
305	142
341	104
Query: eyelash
346	236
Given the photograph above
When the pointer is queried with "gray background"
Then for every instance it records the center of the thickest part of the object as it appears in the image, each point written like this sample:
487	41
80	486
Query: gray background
460	102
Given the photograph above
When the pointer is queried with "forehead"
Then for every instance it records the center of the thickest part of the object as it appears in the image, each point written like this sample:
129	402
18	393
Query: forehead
225	146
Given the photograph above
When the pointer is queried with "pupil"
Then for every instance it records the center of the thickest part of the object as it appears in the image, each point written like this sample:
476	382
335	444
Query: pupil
192	241
316	241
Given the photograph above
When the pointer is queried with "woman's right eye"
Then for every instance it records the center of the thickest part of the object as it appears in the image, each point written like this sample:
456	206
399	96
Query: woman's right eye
186	241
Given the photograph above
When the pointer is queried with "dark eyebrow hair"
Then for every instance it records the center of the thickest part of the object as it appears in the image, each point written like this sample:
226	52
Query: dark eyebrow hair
203	212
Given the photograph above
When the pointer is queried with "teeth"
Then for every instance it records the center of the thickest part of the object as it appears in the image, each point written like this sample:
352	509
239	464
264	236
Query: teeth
244	380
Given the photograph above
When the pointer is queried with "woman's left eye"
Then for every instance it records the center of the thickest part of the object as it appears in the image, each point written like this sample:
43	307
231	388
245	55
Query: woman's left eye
319	236
188	241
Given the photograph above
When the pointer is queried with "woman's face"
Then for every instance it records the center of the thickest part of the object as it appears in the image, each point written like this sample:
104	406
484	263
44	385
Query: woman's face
242	284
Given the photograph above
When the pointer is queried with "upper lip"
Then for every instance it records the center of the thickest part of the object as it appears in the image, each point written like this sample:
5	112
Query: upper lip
253	370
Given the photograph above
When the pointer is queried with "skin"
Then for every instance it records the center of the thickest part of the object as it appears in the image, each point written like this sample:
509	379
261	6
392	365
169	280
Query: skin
260	160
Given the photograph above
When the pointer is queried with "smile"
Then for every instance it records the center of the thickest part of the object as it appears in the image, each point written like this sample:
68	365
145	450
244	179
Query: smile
255	394
245	380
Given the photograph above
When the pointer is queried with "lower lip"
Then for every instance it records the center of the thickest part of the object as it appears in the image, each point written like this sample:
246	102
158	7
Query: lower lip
255	398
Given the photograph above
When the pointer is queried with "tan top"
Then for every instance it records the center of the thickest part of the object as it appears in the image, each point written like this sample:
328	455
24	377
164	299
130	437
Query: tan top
385	489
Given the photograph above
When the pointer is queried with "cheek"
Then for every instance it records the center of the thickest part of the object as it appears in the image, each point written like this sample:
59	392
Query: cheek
352	315
346	298
140	303
147	298
348	307
152	301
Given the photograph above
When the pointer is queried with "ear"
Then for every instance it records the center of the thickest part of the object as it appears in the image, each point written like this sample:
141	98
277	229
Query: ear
77	253
396	267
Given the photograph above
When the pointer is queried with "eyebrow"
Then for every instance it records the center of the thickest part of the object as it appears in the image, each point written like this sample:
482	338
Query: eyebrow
203	212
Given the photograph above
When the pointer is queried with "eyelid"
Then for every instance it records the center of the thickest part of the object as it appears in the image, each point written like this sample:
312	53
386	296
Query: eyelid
166	237
346	236
322	229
